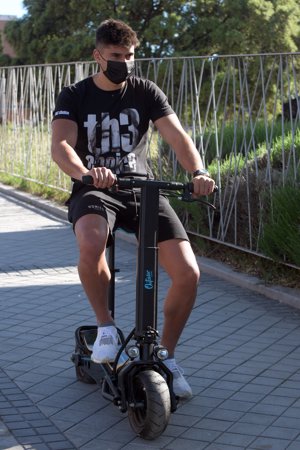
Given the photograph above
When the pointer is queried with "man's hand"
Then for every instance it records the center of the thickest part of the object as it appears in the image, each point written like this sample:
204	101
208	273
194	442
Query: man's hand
203	185
103	177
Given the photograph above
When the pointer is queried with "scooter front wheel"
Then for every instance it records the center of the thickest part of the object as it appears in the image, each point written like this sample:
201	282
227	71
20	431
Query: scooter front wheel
149	414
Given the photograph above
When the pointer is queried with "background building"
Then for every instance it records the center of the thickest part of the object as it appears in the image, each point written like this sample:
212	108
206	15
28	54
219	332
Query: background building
6	47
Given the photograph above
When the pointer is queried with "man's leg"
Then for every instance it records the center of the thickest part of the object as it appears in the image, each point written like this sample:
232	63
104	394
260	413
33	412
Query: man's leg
91	232
178	259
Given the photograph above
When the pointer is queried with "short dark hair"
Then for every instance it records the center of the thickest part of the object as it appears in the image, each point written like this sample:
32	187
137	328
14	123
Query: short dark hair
116	32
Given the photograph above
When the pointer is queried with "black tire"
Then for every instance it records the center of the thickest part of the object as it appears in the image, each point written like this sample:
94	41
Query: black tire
81	375
150	418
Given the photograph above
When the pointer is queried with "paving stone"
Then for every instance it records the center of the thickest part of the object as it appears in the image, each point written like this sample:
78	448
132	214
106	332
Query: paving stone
281	432
269	443
235	439
216	446
179	444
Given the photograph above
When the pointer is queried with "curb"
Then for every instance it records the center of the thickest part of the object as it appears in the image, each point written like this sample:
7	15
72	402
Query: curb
289	296
37	202
281	294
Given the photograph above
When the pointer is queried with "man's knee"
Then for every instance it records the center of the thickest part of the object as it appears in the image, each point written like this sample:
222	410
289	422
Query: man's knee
190	276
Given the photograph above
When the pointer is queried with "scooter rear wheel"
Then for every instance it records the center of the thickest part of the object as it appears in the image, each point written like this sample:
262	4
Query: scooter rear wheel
149	416
81	375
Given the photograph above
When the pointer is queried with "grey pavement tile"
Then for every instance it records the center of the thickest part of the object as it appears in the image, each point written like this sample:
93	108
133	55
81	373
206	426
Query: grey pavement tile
201	400
268	381
281	373
268	409
62	445
237	439
216	446
182	420
277	400
236	405
225	414
213	424
195	410
19	425
293	446
288	422
218	393
209	373
199	384
251	397
281	432
38	446
228	385
40	422
92	427
201	434
258	419
249	429
24	432
174	430
256	389
247	369
293	411
157	444
269	443
244	379
102	444
49	430
286	391
179	444
30	441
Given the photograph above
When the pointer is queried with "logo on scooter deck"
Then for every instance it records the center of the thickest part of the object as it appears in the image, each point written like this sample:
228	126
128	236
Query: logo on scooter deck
149	282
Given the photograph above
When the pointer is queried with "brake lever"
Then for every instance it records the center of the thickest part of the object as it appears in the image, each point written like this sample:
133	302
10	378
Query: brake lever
189	199
187	196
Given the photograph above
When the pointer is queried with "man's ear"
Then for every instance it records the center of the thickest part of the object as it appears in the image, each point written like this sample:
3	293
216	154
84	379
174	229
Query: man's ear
96	56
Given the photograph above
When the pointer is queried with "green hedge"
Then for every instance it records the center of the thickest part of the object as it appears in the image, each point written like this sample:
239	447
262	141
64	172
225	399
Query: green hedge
281	233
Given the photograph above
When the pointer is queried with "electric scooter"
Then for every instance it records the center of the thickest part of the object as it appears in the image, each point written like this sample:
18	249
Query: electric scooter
137	381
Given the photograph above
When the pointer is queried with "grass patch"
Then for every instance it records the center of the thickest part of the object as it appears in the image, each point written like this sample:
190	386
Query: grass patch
34	188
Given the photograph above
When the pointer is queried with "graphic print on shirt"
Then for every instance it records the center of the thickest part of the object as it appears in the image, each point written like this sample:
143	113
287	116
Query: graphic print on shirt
111	141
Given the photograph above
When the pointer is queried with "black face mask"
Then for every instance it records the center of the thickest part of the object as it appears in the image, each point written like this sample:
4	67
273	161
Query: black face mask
118	71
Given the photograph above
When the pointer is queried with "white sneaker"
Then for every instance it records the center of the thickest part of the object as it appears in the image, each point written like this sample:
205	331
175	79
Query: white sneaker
106	346
181	387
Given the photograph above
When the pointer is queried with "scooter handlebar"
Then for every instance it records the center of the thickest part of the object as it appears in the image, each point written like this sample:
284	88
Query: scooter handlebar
138	182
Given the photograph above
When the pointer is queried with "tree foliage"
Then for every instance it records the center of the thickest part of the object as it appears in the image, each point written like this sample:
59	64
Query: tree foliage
64	30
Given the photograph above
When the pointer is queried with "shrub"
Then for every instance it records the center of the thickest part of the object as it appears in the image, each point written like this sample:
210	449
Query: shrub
281	231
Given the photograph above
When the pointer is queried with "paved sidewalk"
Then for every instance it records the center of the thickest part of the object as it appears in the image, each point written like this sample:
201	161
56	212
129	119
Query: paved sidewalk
240	352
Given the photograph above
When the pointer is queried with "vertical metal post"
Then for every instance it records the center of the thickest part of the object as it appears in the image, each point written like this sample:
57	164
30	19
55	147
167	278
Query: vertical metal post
112	268
146	288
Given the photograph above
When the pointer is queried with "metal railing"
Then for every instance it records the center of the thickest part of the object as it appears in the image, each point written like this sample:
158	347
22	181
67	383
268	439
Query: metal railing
242	111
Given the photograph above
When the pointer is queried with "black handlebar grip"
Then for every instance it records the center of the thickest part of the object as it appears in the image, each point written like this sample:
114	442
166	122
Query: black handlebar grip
191	187
87	179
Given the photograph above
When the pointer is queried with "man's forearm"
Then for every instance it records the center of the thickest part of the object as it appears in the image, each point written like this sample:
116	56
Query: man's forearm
187	154
68	161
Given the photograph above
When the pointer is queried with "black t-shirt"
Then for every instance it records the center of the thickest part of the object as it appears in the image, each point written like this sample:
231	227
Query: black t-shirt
113	125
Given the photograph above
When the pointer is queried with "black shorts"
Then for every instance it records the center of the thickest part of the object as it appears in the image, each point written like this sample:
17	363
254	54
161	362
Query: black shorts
121	210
